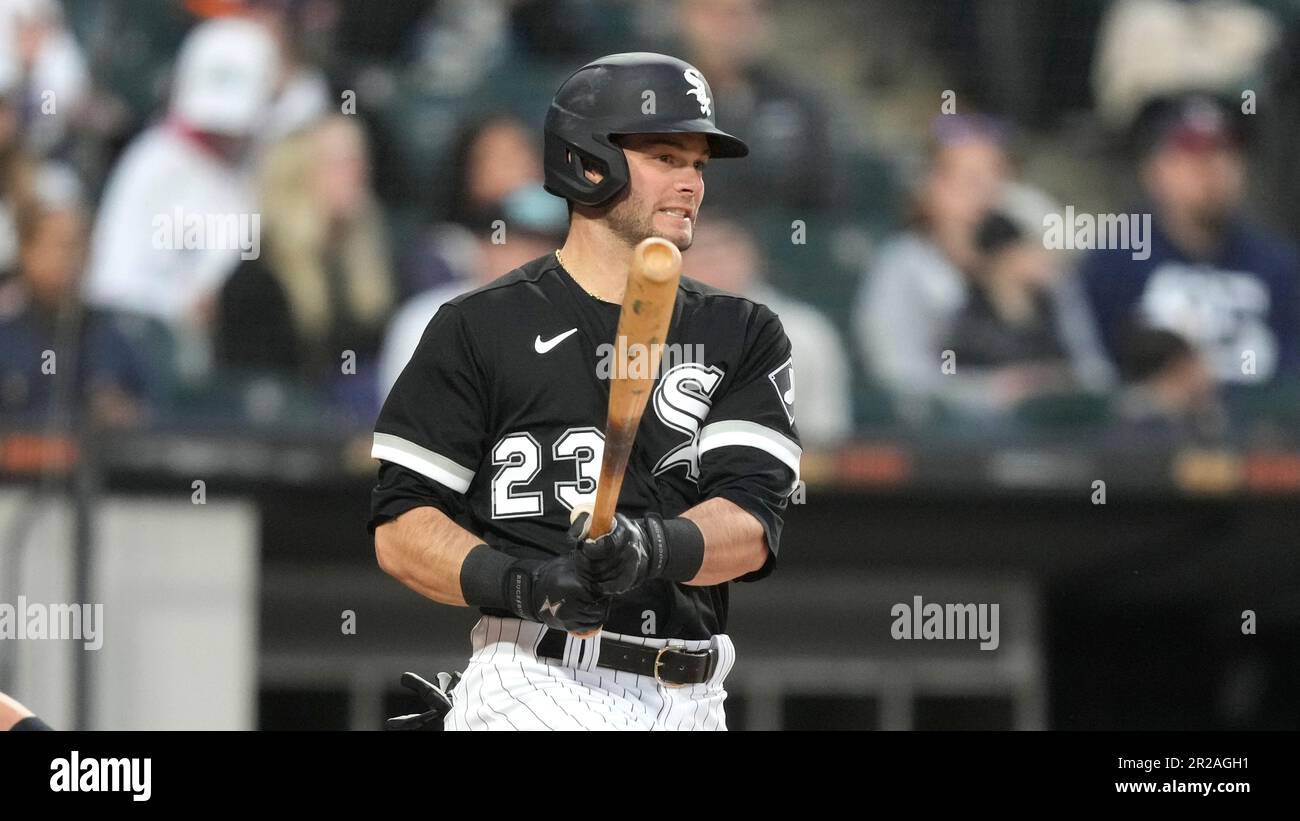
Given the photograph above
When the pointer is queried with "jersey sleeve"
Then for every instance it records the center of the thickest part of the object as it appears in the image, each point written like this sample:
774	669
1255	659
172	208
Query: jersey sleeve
749	446
430	433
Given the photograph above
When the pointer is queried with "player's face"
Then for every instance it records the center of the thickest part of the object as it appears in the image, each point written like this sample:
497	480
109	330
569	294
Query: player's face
667	187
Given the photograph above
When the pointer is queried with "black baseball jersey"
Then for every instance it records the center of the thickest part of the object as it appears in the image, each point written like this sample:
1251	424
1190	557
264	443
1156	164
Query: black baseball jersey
498	420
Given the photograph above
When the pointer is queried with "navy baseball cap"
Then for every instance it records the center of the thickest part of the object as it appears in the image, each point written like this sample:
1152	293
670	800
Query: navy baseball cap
1192	122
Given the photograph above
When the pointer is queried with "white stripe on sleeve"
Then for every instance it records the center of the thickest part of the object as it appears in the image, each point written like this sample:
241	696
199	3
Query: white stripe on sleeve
423	461
753	435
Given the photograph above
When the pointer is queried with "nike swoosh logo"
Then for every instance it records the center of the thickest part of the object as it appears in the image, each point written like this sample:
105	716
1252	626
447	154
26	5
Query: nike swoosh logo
543	347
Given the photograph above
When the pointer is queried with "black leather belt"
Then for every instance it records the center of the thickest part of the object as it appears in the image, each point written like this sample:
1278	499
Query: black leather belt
670	666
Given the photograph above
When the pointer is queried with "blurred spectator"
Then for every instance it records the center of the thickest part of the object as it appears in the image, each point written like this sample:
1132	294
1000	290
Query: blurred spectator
492	156
16	166
324	284
535	225
304	31
915	285
792	161
177	214
93	368
725	255
54	78
1168	389
1227	287
1148	49
1007	338
456	44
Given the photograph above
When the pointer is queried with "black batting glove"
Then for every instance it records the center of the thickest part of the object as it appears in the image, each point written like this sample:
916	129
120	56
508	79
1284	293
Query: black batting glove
623	558
437	699
553	593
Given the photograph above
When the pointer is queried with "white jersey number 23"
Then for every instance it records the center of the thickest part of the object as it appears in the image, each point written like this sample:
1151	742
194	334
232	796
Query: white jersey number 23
519	457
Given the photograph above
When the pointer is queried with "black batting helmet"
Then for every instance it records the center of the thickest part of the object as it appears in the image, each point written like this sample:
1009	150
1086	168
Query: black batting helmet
609	97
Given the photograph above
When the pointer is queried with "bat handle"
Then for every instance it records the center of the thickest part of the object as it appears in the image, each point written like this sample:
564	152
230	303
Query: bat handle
591	528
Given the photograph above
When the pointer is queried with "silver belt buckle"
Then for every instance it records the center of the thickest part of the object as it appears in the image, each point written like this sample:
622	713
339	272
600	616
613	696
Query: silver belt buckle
659	662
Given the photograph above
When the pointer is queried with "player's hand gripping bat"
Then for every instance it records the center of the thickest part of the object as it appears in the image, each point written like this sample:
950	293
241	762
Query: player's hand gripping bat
642	328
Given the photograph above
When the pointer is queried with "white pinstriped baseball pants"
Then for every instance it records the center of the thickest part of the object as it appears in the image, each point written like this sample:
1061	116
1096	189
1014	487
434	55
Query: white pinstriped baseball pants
507	687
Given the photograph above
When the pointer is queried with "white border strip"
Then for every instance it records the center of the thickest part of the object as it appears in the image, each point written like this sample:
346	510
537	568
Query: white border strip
423	461
750	434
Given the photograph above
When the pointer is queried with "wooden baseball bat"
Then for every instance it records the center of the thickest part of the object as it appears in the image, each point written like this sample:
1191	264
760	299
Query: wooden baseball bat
643	323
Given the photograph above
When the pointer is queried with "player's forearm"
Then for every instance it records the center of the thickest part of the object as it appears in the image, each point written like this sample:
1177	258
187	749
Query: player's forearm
424	550
733	541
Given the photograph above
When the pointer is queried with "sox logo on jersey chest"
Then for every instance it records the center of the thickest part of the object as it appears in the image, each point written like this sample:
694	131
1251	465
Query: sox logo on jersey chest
681	401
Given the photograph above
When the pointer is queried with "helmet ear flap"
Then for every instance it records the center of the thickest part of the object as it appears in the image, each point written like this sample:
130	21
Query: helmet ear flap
582	163
572	182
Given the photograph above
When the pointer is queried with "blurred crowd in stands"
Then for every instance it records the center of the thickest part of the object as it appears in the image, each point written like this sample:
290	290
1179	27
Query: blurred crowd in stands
245	213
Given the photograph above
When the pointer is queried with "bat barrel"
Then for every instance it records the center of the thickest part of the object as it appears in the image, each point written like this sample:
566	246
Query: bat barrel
658	260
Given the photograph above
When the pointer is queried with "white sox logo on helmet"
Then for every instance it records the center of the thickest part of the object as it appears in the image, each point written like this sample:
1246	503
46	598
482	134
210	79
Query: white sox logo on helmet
699	89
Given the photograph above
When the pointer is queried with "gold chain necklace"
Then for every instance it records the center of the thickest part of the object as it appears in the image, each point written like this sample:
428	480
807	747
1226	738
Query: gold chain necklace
560	260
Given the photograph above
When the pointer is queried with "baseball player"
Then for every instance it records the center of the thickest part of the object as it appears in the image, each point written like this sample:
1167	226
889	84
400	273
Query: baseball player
493	435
